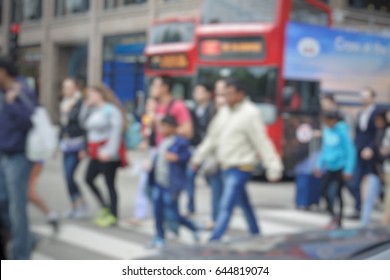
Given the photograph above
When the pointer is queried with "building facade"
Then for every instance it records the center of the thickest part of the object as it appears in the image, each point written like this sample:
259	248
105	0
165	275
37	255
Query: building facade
81	38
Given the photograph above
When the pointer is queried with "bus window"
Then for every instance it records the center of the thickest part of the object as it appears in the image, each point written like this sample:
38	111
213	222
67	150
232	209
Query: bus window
233	11
182	87
306	13
301	97
261	85
176	32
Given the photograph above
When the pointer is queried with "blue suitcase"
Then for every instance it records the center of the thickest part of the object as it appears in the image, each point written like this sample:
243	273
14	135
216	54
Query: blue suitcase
308	191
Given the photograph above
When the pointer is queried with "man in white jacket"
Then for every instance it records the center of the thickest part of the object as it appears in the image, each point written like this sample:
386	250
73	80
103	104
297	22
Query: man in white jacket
238	137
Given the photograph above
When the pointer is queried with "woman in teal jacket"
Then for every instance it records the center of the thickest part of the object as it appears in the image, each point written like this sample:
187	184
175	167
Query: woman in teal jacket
337	159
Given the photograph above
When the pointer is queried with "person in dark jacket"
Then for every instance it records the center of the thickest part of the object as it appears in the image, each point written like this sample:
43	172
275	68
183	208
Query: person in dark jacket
202	114
168	177
365	145
73	144
15	118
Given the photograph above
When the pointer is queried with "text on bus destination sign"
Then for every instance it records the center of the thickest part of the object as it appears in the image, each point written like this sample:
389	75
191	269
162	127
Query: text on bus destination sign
169	61
233	48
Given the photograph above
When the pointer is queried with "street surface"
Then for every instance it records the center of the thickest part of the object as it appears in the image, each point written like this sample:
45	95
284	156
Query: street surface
81	240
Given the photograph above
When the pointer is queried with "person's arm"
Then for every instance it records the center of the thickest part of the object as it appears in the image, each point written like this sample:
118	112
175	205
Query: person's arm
264	147
22	115
186	130
209	142
350	150
111	148
184	120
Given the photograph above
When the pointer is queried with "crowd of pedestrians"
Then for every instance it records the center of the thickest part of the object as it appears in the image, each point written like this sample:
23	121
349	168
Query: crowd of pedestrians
222	138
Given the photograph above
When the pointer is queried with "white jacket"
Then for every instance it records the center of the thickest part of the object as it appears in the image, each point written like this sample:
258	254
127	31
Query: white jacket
238	136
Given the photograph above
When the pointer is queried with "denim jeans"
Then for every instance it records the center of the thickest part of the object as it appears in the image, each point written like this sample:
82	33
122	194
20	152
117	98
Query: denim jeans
191	176
14	175
166	206
215	181
373	192
141	208
234	193
71	162
362	169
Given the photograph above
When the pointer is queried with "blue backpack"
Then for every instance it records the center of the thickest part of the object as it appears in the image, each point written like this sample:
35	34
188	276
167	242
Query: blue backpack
133	135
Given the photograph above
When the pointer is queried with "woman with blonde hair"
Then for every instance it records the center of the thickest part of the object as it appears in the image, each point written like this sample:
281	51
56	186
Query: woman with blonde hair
73	144
105	123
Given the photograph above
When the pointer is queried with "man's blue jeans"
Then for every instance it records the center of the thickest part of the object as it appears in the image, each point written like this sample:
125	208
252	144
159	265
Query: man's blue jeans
166	206
191	176
234	193
14	175
373	192
71	161
216	183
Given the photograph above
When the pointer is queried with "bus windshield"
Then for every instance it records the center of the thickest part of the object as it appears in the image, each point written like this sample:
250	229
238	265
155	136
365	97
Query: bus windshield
261	82
233	11
175	32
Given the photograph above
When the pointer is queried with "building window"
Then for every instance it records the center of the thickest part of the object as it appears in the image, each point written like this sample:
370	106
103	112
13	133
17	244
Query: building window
26	10
68	7
371	5
110	4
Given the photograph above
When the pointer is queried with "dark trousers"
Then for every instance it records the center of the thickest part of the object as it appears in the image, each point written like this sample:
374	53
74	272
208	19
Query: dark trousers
334	179
363	168
109	171
71	162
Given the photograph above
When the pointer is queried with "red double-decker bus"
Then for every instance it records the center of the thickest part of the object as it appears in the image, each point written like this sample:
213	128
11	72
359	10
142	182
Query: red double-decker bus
245	39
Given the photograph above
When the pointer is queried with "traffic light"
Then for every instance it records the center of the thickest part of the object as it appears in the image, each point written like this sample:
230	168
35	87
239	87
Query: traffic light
13	44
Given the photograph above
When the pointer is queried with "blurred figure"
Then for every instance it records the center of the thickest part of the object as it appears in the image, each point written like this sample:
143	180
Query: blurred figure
338	159
201	116
167	105
15	168
168	179
36	200
238	136
73	145
385	152
365	166
142	201
211	168
104	122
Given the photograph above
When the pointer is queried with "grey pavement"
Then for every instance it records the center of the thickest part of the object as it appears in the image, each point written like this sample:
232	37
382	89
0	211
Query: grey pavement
274	204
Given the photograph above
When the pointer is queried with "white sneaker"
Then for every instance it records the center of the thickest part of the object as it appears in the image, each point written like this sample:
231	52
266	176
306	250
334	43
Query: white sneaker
81	213
69	214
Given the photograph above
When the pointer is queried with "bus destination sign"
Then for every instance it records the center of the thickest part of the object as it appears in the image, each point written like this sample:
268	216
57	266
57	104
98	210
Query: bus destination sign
168	62
232	48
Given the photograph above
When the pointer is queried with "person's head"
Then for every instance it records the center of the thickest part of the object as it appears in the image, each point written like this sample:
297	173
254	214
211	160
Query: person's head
220	93
8	71
368	96
69	87
98	95
330	118
202	94
161	86
235	92
328	102
168	126
380	120
150	105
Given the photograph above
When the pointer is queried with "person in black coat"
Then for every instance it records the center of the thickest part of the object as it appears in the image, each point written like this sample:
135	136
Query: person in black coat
201	114
365	146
